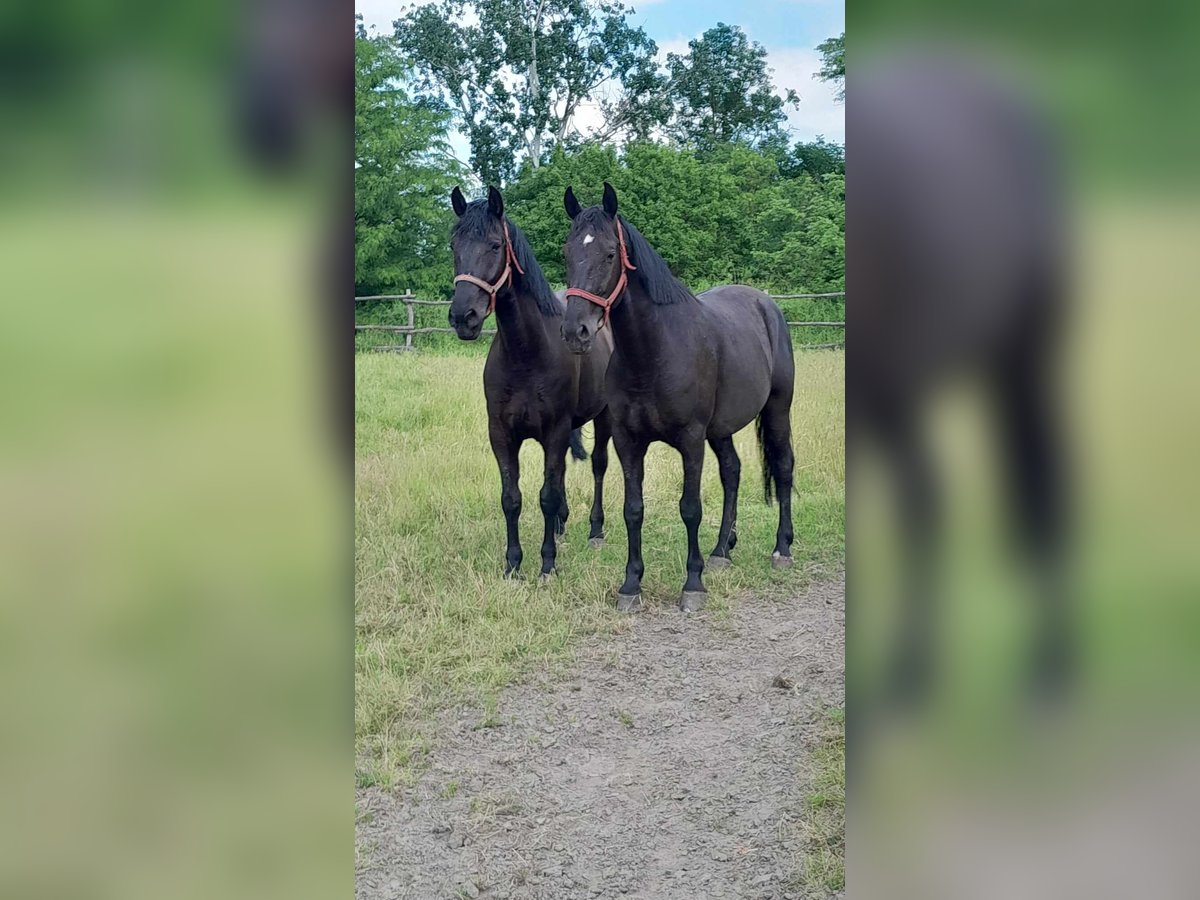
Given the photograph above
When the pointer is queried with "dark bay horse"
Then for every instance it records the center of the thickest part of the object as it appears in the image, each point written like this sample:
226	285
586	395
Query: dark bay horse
685	370
535	388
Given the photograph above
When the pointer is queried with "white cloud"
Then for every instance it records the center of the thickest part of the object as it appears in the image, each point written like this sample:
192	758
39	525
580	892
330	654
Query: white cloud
380	13
819	112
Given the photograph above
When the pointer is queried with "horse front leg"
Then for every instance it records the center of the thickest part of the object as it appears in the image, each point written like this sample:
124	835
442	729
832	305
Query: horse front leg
694	593
553	494
507	451
632	453
599	468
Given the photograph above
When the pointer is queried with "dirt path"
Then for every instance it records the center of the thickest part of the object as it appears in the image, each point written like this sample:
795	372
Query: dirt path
666	765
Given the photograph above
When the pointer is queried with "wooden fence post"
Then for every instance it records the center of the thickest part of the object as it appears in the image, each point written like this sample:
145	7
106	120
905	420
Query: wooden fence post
412	321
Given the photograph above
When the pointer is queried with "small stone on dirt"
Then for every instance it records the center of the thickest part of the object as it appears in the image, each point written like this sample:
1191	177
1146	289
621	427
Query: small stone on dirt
441	829
783	683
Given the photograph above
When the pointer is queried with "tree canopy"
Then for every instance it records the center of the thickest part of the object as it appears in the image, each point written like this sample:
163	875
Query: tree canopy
722	90
703	164
517	71
833	62
403	172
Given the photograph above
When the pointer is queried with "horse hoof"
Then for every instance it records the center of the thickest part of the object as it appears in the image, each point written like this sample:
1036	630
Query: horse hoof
693	601
629	603
779	561
718	562
596	543
545	577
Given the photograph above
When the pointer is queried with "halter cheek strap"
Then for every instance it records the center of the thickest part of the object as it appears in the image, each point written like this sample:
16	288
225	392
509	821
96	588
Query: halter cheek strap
510	263
605	303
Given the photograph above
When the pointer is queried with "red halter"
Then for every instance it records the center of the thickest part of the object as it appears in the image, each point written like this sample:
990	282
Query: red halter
510	263
605	303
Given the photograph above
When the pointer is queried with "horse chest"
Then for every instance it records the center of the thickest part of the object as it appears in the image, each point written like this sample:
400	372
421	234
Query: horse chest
526	409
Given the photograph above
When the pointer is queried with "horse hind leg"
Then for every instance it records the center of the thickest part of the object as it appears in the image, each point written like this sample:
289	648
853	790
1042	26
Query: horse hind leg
775	441
1035	463
730	467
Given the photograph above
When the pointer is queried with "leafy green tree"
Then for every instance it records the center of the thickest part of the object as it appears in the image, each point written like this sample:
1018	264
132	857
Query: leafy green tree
726	216
403	174
722	91
816	158
833	63
535	199
800	235
516	72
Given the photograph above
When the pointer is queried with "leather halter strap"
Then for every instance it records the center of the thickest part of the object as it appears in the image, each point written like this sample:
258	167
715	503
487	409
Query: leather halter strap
605	303
510	263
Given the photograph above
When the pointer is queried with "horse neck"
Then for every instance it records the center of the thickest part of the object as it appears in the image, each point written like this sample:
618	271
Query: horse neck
639	329
520	326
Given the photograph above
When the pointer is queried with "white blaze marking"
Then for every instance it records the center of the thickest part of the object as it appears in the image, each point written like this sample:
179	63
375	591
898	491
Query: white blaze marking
587	239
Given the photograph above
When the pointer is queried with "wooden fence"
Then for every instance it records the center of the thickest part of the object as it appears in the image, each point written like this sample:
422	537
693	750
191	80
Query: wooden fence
411	303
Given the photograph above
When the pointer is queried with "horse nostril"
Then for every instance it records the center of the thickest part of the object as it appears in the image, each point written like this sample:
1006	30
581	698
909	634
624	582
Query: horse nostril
582	332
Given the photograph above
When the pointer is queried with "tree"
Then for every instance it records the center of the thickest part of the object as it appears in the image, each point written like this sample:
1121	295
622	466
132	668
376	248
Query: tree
728	216
800	234
833	63
534	200
722	90
516	72
816	158
403	173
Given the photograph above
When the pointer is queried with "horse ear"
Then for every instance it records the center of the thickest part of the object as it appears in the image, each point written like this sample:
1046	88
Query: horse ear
495	202
570	203
458	201
610	199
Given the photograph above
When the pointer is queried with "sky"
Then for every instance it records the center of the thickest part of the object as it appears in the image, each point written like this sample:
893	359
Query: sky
789	30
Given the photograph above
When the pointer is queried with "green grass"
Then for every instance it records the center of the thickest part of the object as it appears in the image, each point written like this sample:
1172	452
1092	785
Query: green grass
436	622
821	865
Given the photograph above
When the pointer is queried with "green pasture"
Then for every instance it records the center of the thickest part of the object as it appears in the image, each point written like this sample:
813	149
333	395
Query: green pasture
436	622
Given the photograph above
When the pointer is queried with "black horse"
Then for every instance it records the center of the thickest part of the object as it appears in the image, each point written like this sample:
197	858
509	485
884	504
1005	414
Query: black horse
960	220
685	370
534	387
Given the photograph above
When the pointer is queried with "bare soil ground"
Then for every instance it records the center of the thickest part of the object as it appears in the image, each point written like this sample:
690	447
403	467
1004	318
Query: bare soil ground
668	762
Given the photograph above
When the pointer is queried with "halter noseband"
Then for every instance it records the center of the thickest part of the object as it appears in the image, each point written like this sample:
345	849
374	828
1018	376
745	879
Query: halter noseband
605	303
510	263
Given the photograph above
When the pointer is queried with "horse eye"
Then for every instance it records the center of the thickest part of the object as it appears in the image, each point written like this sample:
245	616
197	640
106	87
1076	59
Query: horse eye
611	254
496	245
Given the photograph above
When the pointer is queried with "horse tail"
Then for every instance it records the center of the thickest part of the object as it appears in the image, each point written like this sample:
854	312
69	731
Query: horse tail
577	450
766	459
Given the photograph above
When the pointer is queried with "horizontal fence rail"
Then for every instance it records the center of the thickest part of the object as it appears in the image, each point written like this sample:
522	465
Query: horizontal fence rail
411	302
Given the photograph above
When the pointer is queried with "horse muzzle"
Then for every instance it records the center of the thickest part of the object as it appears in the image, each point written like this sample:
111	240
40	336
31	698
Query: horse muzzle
578	338
467	326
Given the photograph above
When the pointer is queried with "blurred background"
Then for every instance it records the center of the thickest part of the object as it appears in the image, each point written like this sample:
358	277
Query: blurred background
1022	641
175	649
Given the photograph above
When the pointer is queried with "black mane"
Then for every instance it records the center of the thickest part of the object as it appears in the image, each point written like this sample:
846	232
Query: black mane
476	223
652	271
